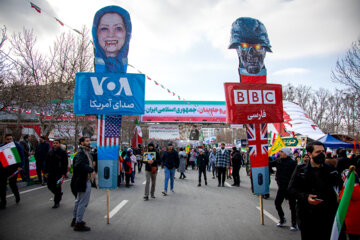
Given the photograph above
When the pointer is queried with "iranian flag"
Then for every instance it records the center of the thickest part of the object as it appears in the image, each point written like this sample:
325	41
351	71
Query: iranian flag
343	205
9	155
137	139
38	9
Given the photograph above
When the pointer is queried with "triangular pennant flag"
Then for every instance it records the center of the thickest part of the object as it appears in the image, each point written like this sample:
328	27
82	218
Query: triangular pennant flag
77	31
149	78
61	23
173	94
35	7
278	144
156	82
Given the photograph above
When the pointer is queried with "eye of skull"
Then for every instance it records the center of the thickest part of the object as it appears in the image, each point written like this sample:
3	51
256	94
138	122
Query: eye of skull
247	45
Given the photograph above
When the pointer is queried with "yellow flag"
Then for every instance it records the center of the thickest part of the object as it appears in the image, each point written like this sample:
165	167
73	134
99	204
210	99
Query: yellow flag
278	144
187	149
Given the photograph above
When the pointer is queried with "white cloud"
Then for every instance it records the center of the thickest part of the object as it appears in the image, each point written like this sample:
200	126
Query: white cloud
290	71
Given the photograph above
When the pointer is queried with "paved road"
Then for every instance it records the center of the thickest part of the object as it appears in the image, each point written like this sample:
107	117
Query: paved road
192	212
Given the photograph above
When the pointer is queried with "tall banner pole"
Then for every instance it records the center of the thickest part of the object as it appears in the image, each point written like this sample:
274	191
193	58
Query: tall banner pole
252	101
110	92
107	206
261	210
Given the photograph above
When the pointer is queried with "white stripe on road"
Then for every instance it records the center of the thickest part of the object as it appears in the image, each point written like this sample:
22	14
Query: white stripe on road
30	190
144	182
274	219
117	208
227	184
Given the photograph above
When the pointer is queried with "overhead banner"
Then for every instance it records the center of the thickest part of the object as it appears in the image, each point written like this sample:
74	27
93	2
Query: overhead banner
164	132
253	103
109	93
179	111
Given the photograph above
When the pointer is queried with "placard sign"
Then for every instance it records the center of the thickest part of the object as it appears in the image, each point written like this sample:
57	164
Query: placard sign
253	103
109	93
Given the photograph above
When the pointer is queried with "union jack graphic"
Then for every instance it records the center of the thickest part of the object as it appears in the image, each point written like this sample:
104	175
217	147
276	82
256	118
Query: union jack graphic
257	138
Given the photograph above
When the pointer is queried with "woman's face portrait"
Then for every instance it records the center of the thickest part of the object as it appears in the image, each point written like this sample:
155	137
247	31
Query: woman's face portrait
111	33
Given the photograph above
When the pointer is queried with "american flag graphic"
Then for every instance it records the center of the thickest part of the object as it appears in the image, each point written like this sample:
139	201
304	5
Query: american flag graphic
257	138
109	130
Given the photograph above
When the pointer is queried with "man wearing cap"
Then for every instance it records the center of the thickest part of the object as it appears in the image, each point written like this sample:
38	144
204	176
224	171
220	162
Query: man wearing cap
285	166
222	163
170	161
151	167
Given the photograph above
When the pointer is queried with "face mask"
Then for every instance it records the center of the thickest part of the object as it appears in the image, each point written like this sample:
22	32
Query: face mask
319	159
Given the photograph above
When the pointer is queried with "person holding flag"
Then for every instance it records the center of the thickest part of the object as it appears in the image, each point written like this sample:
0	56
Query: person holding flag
349	207
313	185
56	169
11	163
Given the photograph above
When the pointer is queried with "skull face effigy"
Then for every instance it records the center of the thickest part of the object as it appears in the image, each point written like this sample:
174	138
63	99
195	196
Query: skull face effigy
249	38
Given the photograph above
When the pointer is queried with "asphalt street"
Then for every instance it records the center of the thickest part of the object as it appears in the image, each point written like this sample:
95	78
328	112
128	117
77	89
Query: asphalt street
206	212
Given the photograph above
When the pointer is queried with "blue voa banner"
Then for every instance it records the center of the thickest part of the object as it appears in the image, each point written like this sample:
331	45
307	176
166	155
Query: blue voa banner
109	94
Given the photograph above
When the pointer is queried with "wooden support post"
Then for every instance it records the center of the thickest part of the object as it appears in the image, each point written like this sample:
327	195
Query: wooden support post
107	205
261	210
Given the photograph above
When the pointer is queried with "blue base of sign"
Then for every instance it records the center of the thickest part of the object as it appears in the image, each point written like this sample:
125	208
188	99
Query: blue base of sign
108	171
260	178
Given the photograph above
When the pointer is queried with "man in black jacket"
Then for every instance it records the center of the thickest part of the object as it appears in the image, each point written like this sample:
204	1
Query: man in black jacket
170	161
285	166
25	144
236	160
313	186
202	161
8	173
80	183
41	152
151	167
56	168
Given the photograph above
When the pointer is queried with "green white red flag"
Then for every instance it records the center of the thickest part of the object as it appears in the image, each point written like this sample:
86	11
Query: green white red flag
343	206
137	139
35	7
9	155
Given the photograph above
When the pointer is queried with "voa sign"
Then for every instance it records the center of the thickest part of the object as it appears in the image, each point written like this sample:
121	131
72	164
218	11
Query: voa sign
109	93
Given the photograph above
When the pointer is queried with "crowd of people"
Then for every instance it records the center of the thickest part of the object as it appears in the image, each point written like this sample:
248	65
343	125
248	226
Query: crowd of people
311	181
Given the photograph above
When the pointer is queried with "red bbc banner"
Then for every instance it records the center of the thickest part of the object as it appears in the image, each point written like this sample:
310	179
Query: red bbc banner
253	103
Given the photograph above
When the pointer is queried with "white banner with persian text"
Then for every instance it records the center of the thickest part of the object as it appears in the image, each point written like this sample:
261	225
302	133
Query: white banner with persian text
164	132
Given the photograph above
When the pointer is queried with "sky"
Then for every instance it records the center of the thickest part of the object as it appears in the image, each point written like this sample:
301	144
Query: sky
184	44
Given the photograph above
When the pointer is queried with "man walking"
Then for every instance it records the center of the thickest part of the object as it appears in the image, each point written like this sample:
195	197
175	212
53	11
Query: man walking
312	185
9	173
285	166
212	160
41	152
170	161
236	160
151	168
80	183
56	168
202	161
222	163
25	144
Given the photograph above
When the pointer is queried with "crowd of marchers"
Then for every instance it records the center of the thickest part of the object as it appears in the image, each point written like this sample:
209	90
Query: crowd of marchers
312	181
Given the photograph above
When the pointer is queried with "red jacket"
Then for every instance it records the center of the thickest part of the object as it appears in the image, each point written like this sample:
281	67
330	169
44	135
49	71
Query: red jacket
352	218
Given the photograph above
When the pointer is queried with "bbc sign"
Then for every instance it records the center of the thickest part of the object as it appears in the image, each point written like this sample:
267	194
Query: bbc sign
253	103
109	94
254	97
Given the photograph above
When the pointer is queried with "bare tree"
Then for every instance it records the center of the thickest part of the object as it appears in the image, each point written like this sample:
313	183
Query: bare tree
347	70
41	82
